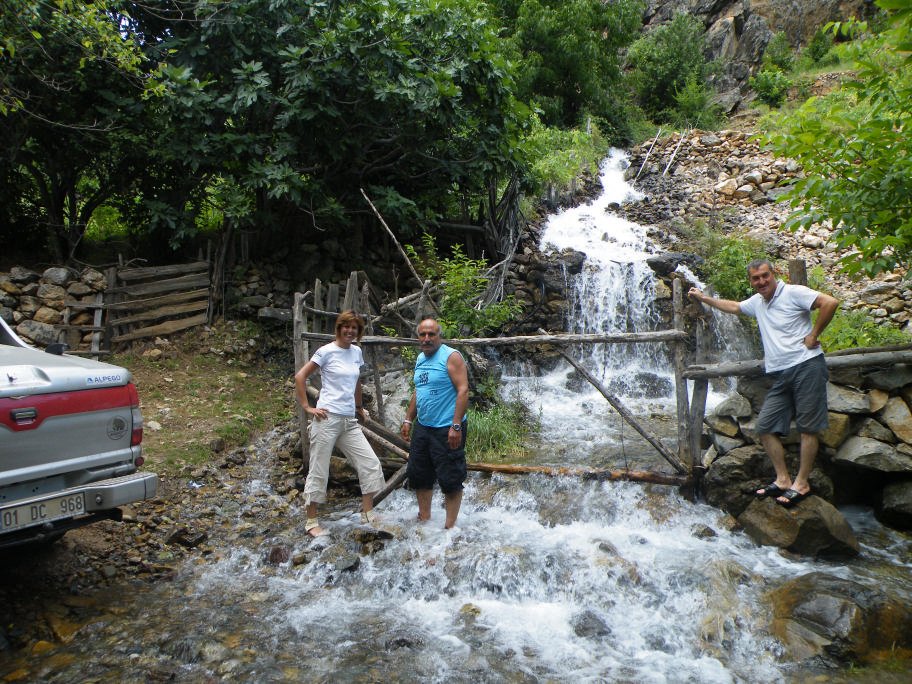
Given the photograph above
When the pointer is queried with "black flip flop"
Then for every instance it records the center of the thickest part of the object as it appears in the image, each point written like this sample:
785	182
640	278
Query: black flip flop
794	498
772	489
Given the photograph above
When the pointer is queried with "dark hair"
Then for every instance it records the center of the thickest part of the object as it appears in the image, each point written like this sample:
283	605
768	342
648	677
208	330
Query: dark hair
757	263
350	317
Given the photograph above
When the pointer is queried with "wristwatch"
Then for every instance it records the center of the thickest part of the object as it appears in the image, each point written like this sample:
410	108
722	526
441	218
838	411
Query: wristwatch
457	427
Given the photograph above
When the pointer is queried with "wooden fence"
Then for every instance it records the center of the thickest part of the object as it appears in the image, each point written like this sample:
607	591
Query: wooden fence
140	303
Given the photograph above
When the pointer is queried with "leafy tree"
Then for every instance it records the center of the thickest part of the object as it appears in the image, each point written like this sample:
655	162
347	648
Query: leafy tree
855	151
305	104
569	52
72	115
664	61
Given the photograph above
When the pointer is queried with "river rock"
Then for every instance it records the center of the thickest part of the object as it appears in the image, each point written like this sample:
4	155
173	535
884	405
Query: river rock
839	429
733	478
871	428
898	418
735	406
837	620
872	454
812	528
895	508
845	400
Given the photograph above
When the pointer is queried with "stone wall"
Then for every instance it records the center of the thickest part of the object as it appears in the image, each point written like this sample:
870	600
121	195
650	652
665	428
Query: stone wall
865	454
33	303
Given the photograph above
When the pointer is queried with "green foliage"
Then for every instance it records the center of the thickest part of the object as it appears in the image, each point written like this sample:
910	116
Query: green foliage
726	267
818	49
502	432
851	329
778	54
664	61
560	156
694	107
463	286
771	86
567	52
856	154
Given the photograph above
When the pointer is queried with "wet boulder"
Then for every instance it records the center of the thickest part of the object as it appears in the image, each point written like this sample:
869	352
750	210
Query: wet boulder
838	621
734	476
895	508
812	528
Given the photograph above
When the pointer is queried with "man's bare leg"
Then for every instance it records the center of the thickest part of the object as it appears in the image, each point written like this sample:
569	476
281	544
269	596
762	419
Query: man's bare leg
424	497
774	449
809	445
452	502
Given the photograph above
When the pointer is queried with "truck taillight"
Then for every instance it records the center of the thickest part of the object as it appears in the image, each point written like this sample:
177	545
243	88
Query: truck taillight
137	434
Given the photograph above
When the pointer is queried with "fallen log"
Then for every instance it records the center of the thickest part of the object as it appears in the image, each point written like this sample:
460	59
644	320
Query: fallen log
585	473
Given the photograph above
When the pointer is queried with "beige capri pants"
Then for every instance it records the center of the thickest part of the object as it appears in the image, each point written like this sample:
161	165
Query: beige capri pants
344	433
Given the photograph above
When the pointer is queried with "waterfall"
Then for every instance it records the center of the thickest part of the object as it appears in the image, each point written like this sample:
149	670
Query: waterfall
616	292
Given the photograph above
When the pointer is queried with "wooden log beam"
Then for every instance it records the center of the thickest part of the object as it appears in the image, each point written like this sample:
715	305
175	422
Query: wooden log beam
834	361
163	312
167	328
586	473
522	340
128	274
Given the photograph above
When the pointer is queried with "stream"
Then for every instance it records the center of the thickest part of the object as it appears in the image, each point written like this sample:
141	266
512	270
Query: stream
545	579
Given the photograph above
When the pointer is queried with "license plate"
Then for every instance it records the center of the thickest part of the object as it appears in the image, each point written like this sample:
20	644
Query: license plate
44	511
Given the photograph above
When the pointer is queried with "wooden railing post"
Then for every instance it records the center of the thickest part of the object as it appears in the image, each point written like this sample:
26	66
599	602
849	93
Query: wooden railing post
685	453
301	355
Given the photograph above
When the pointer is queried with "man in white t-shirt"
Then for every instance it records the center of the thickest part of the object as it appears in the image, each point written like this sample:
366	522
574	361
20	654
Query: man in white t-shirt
792	355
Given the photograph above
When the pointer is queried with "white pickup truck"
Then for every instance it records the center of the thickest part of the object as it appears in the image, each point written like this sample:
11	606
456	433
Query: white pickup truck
70	442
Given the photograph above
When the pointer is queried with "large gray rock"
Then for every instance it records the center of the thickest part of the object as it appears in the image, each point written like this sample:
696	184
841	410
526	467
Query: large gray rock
895	508
58	275
890	379
734	406
41	334
733	478
872	454
822	617
811	528
845	400
898	418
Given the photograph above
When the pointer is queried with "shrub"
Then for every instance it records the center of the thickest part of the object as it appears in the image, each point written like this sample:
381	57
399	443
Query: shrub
820	46
771	86
502	432
726	268
851	329
664	60
694	107
779	54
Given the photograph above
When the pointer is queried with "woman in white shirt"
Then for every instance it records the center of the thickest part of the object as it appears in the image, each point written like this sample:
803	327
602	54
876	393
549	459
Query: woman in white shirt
335	420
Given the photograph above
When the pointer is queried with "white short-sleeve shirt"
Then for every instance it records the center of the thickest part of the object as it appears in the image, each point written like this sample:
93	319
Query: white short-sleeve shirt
339	372
784	322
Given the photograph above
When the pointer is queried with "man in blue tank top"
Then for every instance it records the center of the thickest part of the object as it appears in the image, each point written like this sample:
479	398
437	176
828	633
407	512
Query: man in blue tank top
437	410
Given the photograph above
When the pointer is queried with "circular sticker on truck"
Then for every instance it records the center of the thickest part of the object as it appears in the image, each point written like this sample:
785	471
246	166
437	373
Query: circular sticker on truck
117	427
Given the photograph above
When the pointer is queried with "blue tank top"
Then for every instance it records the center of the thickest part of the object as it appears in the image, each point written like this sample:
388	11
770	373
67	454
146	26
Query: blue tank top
434	391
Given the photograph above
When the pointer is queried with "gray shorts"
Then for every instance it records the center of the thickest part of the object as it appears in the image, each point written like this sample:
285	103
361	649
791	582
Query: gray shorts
799	392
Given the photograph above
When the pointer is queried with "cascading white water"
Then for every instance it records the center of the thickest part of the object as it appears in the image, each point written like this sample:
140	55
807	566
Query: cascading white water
616	292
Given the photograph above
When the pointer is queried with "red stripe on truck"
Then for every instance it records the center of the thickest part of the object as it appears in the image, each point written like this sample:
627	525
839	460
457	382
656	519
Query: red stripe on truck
16	415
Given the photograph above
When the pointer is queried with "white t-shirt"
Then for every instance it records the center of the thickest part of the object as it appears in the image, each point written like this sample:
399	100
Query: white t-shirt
784	322
339	371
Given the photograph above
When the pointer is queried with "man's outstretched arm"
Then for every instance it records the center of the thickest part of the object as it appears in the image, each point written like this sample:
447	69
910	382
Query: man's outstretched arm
726	305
